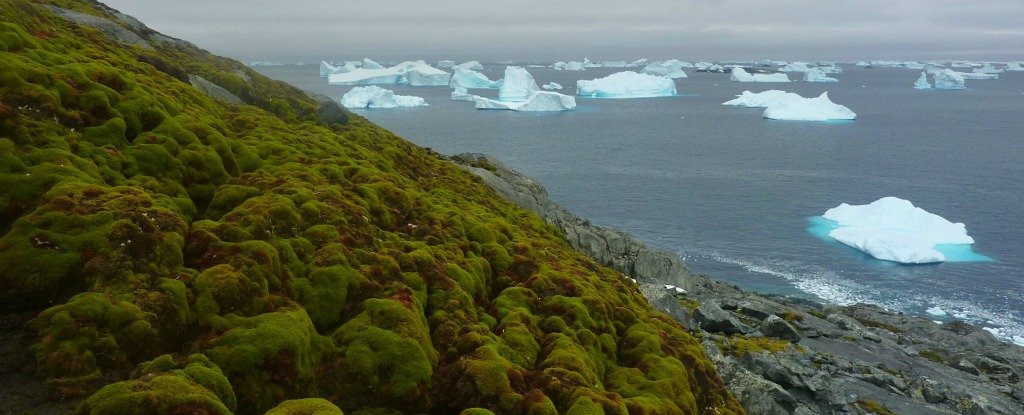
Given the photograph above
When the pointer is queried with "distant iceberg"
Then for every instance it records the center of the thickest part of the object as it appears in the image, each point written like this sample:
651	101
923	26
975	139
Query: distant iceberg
949	79
978	75
471	65
569	66
795	67
376	97
740	75
808	109
518	85
445	64
708	67
671	68
1014	67
761	99
469	78
817	75
325	69
370	64
922	82
552	85
638	63
626	84
893	229
538	101
416	73
988	68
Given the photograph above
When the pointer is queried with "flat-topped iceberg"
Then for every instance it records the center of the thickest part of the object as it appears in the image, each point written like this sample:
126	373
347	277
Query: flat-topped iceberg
741	75
761	99
808	109
468	78
552	85
376	97
893	229
538	101
416	73
949	79
817	75
518	85
922	82
626	84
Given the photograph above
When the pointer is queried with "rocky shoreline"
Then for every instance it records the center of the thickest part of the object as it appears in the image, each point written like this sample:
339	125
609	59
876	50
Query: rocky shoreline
781	355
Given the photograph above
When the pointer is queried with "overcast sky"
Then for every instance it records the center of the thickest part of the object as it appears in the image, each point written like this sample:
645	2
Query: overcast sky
307	30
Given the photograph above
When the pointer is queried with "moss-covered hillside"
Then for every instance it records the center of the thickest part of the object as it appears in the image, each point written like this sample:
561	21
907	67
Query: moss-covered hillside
183	255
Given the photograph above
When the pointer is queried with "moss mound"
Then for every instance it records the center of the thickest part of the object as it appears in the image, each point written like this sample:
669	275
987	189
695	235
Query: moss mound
185	255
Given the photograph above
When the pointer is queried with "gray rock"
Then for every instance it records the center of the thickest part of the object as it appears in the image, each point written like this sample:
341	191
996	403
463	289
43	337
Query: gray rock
108	27
213	90
773	326
331	112
711	317
755	393
966	366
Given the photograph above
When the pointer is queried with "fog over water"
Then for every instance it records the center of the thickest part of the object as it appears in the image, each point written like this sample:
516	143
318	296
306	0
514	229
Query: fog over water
305	30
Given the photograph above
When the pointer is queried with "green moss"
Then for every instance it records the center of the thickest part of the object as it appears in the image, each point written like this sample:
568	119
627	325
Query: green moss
308	406
743	345
880	325
166	386
874	407
933	356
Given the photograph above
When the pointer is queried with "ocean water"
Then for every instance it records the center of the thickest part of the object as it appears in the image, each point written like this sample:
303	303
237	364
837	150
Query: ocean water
736	195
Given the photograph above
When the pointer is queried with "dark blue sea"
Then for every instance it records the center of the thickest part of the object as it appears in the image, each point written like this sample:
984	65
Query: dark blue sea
734	193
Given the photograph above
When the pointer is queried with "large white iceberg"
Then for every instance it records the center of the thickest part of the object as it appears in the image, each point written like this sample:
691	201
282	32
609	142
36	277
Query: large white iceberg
518	85
376	97
626	85
893	229
538	101
416	73
741	75
469	78
761	99
949	79
808	109
817	75
552	85
922	82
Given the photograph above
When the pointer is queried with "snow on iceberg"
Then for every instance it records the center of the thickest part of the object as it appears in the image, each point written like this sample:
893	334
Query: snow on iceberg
376	97
893	229
518	85
552	85
808	109
469	78
538	101
416	73
922	82
741	75
626	84
817	75
761	99
949	79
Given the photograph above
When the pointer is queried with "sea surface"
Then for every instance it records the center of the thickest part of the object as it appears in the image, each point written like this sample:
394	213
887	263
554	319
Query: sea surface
735	194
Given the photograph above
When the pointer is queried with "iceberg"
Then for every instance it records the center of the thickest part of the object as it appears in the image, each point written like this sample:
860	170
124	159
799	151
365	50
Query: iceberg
949	79
552	85
638	63
808	109
708	67
795	67
978	75
376	97
893	229
471	65
740	75
370	64
670	69
570	66
626	84
469	78
462	94
612	64
1014	67
936	311
817	75
761	99
922	82
538	101
326	69
445	64
987	69
518	85
416	73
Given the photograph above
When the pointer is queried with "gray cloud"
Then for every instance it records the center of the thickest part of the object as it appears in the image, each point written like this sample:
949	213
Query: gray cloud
571	29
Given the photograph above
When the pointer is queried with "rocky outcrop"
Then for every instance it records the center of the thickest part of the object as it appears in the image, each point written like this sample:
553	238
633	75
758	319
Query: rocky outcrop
108	27
213	90
798	356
